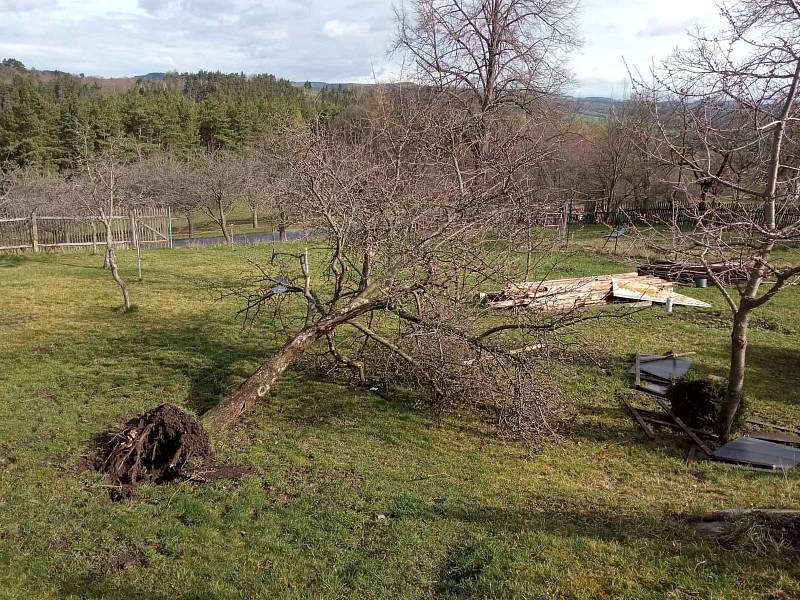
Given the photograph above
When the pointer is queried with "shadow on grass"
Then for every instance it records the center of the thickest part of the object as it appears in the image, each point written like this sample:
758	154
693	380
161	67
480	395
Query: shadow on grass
10	261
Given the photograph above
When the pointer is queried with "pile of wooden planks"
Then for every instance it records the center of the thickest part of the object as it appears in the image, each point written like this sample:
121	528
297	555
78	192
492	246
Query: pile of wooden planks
728	273
561	295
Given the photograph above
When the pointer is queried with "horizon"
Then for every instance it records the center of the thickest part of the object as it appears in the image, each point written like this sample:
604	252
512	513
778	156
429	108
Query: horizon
342	41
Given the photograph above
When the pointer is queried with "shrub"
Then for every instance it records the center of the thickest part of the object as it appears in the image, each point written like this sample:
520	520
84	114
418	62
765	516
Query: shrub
699	402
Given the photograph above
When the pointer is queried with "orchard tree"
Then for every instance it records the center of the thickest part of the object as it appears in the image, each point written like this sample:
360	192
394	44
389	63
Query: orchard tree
218	179
422	203
727	113
105	186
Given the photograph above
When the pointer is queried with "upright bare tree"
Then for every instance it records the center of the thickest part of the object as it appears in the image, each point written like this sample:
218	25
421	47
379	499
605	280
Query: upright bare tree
490	54
104	187
265	179
728	117
218	179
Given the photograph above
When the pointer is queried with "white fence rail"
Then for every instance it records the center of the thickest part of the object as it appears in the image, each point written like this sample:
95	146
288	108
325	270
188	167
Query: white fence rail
147	228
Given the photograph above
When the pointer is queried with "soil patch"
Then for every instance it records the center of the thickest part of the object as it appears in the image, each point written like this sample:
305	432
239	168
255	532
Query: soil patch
152	447
125	559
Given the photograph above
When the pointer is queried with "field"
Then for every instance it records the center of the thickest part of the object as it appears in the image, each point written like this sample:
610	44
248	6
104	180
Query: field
352	495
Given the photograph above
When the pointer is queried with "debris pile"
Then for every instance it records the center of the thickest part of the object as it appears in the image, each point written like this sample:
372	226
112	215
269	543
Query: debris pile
772	451
561	295
728	273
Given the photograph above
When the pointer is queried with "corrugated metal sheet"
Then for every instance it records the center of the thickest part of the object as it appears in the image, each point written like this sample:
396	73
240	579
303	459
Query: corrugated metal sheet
758	453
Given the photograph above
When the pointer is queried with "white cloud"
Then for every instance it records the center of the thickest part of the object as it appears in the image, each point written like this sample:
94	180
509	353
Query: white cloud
337	29
26	5
318	40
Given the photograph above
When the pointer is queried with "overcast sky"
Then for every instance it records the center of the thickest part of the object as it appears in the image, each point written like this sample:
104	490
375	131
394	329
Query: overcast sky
318	40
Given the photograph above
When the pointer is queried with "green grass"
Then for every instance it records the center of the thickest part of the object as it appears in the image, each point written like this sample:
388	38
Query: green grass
465	513
240	221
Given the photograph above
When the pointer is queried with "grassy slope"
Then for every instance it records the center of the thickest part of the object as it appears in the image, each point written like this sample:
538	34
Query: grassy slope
466	514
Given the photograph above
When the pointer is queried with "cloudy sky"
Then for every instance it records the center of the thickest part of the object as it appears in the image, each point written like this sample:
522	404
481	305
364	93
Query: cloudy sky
319	40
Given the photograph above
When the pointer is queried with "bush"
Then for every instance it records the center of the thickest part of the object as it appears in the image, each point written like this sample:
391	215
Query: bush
699	402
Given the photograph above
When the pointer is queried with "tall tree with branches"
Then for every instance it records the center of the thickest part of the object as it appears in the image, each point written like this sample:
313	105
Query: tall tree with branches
727	113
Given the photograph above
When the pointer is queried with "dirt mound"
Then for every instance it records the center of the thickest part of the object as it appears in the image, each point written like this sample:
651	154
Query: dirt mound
153	447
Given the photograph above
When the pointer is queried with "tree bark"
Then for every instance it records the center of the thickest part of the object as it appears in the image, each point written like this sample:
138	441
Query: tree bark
190	222
111	261
223	223
282	232
255	218
258	385
741	323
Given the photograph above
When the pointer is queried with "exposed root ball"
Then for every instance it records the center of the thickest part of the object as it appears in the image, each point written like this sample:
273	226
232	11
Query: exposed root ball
153	447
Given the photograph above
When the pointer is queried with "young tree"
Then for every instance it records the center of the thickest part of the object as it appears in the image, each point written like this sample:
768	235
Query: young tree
727	111
104	187
218	179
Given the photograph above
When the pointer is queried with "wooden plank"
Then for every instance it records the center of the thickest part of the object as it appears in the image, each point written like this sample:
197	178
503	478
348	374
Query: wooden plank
642	423
775	436
634	290
778	427
158	233
687	430
659	419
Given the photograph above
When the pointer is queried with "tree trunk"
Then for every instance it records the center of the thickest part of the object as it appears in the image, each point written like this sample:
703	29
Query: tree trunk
255	218
282	232
257	386
190	222
111	261
741	323
223	223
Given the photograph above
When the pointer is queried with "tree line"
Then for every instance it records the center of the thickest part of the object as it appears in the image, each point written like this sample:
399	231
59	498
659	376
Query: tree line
48	121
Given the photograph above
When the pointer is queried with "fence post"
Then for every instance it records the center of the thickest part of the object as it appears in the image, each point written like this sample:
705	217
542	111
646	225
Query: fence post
169	225
34	232
135	242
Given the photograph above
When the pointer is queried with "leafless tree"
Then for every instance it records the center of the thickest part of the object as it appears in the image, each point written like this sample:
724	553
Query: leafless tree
423	203
167	181
490	54
105	186
728	123
8	177
29	191
218	179
622	168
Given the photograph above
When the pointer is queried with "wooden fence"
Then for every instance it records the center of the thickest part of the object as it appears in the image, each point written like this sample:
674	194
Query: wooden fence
145	228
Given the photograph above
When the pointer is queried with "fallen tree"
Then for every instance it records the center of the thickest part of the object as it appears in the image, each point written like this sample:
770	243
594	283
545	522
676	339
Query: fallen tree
422	201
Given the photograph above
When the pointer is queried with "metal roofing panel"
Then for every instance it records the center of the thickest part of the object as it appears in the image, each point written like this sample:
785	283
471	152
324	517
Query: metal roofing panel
665	369
760	453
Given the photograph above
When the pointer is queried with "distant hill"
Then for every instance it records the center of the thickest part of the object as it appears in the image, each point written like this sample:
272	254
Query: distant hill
590	106
594	106
152	76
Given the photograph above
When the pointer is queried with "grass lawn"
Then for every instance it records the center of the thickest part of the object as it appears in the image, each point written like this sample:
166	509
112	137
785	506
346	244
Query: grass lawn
240	222
354	496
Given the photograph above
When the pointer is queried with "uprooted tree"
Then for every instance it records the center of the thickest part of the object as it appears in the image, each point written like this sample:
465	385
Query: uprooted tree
727	118
423	202
420	204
